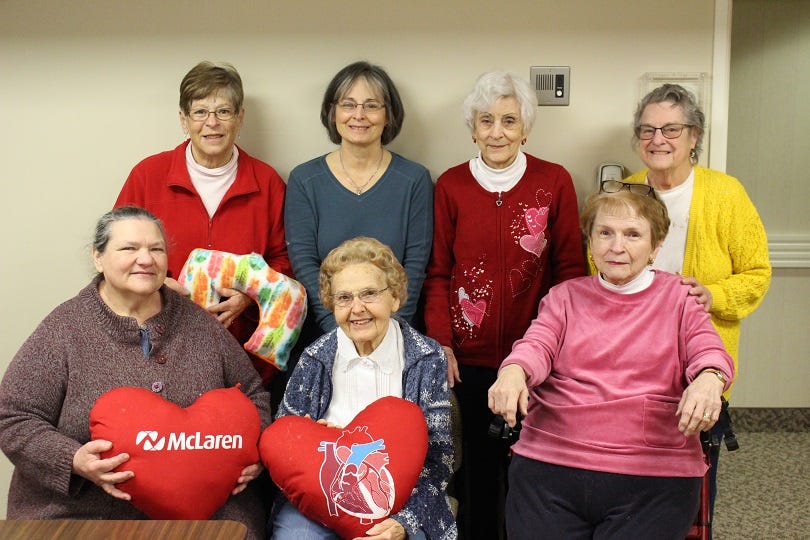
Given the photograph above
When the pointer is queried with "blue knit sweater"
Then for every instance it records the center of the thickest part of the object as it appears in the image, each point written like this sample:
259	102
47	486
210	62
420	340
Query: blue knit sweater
320	214
424	382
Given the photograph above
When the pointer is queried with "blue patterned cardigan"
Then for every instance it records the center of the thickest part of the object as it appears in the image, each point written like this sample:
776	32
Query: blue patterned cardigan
424	382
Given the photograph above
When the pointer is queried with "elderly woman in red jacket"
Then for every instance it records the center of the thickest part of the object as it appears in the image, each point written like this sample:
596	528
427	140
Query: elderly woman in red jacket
211	194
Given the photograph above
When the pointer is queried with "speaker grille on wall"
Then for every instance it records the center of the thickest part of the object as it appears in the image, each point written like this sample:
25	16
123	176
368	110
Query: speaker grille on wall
544	81
551	83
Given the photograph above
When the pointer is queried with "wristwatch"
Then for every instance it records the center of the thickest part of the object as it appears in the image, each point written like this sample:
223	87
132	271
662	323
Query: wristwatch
717	373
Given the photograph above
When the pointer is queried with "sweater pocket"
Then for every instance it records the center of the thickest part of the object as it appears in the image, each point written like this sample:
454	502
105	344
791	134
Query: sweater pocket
660	424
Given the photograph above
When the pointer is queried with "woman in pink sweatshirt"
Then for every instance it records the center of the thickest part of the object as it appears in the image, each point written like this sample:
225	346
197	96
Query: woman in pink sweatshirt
616	376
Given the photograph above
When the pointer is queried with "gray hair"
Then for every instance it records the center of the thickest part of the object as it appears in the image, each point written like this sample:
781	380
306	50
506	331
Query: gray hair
681	97
102	235
494	85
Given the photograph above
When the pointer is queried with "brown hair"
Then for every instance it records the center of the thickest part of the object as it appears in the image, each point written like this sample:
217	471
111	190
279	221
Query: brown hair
380	82
623	202
207	78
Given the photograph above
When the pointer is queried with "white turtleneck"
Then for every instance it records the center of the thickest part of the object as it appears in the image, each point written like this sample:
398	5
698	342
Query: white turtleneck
212	184
643	280
498	180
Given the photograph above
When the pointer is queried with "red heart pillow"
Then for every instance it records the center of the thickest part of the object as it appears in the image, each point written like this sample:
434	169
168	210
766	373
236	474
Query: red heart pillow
351	478
186	461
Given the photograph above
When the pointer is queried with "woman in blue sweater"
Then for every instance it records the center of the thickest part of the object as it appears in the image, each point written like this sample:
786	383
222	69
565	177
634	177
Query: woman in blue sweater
359	189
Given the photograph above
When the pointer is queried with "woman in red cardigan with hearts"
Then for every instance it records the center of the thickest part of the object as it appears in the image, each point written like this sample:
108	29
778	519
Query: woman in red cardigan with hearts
505	230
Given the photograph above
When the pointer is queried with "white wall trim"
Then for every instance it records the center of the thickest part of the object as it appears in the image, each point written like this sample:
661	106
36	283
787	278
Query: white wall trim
721	73
789	250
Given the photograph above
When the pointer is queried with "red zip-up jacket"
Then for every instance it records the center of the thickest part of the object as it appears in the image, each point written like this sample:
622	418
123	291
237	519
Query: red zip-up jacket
250	217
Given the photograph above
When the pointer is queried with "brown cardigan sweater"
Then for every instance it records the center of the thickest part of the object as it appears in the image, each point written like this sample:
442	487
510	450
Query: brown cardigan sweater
81	350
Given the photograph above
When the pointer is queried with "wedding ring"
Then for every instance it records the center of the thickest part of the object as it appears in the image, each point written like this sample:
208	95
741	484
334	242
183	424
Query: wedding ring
707	416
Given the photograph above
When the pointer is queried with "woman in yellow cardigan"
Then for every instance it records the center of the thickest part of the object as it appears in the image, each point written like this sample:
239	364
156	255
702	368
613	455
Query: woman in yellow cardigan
716	238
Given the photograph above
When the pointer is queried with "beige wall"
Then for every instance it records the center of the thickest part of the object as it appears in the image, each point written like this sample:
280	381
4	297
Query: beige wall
768	149
89	88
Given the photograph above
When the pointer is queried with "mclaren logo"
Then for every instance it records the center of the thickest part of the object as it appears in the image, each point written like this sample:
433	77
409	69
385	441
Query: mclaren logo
154	442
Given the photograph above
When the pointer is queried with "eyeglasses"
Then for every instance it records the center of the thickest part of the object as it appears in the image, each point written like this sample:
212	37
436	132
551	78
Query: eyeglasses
669	131
615	186
367	296
201	115
369	107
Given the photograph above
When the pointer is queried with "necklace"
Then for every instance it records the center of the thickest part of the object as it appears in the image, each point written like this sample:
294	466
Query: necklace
359	189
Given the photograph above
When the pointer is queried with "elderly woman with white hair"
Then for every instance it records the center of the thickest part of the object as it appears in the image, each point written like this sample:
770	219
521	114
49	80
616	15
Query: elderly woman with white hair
505	231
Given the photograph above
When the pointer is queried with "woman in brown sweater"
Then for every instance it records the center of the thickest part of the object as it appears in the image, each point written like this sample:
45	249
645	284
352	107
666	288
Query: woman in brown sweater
124	329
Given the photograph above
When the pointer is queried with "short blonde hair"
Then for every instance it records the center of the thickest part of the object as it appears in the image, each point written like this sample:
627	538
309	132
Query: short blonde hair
647	207
357	251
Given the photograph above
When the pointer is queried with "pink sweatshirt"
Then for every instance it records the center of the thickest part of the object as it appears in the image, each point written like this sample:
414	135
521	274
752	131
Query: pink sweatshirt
605	373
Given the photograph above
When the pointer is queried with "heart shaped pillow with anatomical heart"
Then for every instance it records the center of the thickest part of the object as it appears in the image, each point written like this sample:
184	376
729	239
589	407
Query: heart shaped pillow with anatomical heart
186	460
349	478
282	301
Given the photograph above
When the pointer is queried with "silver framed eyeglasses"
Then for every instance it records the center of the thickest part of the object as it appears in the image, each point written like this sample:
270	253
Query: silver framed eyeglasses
669	131
201	115
366	296
615	186
369	107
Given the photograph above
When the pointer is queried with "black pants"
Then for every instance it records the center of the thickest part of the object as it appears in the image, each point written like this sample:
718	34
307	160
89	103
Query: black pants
480	484
552	501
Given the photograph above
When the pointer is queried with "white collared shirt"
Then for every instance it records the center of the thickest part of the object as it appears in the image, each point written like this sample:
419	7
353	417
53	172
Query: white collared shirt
357	381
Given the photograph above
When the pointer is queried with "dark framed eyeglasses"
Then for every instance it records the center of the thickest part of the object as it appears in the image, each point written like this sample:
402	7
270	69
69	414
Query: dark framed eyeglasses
669	131
367	296
615	186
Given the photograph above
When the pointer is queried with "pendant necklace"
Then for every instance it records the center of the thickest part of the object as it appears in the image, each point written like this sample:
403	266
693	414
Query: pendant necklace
359	189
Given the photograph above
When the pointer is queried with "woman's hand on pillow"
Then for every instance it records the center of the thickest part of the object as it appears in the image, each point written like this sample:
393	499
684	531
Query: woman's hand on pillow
390	529
174	285
232	305
88	464
329	424
249	473
324	422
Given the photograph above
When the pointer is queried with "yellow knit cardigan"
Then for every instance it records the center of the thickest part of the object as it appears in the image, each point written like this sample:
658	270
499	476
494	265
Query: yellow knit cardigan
726	250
